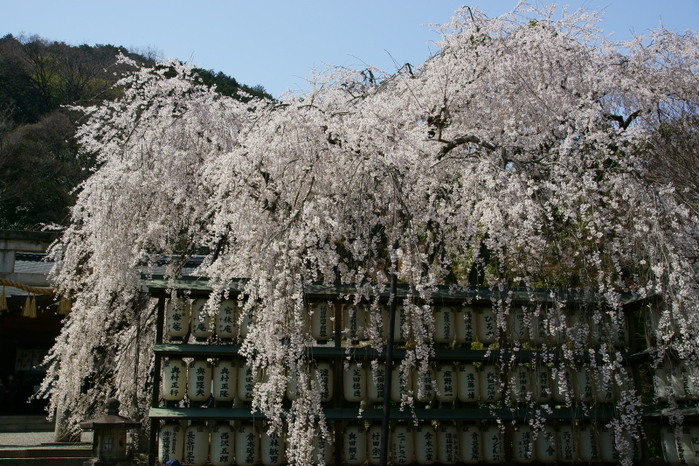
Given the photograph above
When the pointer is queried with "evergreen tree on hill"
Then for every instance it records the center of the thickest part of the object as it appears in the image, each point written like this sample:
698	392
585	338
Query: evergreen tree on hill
40	80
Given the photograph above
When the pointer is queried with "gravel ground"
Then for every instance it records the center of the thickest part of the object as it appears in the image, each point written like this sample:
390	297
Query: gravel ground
34	439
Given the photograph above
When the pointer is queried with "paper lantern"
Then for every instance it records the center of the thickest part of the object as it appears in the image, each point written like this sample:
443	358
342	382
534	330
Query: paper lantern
402	444
170	442
354	445
353	322
199	380
222	444
272	449
447	444
487	328
177	314
321	321
401	384
423	388
227	319
470	444
447	388
247	445
542	384
567	443
490	388
201	321
444	324
465	324
225	378
196	444
246	383
588	443
520	384
354	379
468	383
376	383
546	445
401	328
324	378
425	439
492	444
174	379
523	444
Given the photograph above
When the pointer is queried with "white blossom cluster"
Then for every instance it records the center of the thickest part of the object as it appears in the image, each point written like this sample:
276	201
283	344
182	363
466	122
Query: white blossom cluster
514	157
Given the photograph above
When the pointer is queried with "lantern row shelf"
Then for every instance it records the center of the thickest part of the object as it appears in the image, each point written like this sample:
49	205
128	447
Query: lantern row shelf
248	443
459	325
229	379
339	343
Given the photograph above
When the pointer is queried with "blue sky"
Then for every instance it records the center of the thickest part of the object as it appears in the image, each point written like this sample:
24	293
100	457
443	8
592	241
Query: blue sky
278	43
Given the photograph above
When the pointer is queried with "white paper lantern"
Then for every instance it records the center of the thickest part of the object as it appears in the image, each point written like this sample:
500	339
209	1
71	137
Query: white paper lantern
171	442
324	378
246	321
520	384
490	388
607	445
246	383
669	445
225	377
447	388
227	319
487	326
425	439
201	321
562	385
492	444
174	380
177	313
470	444
322	450
199	380
353	322
196	445
465	323
468	383
605	390
542	384
247	445
447	444
402	444
376	383
354	445
423	388
321	321
584	387
401	329
517	327
272	449
523	444
546	445
661	385
687	376
401	384
538	332
444	324
292	385
222	444
589	447
567	443
374	444
354	379
620	331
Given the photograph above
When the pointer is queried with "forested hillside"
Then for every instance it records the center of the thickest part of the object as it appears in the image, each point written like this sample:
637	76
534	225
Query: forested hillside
39	82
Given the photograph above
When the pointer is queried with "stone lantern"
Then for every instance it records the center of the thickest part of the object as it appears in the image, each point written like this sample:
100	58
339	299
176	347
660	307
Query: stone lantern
109	440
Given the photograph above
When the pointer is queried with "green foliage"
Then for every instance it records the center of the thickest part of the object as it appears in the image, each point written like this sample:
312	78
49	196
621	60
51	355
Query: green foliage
40	164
